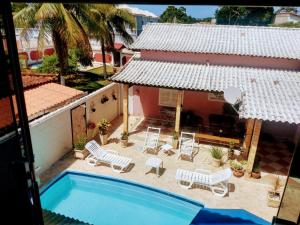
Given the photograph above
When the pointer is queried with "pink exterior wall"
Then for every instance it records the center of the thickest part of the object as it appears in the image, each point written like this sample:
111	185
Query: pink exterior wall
232	60
146	103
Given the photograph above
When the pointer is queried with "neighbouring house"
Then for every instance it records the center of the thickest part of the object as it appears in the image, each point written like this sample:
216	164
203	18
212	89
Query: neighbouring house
182	71
28	49
142	17
41	97
286	17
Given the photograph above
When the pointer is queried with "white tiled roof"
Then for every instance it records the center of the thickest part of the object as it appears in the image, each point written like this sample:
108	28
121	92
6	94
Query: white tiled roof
137	11
221	39
272	95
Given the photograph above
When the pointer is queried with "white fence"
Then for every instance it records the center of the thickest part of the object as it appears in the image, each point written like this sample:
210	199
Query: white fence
51	134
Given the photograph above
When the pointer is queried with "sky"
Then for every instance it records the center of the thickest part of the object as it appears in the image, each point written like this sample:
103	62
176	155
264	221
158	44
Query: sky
194	11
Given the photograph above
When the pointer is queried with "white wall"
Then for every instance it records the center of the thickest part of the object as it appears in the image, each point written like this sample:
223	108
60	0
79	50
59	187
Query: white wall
51	134
51	140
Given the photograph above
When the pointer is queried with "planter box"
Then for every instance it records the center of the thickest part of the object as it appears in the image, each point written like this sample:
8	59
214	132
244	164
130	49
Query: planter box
273	200
216	162
81	154
103	139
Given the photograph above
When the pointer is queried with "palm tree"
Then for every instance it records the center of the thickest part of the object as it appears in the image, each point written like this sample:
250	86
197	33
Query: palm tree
61	24
106	21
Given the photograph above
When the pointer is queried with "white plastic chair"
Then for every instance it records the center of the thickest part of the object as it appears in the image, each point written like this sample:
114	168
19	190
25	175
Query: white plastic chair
151	140
99	155
217	181
186	145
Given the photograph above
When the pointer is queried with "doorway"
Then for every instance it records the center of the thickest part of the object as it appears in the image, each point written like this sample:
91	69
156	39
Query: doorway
79	124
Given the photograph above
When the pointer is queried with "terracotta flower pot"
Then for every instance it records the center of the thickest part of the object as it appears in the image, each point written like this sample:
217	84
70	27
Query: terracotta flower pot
103	139
255	175
238	173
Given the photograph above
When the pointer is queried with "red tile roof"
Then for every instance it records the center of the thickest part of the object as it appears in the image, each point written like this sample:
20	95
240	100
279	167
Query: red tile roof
39	101
31	80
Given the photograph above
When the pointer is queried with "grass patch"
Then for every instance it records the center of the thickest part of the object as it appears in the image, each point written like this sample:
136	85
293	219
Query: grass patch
89	81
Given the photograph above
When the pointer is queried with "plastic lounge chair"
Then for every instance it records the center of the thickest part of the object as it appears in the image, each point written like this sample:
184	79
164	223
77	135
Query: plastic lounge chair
186	145
99	155
151	140
217	182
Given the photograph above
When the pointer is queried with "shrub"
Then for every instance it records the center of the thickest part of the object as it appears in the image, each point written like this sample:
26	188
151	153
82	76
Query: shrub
236	165
103	126
80	143
216	152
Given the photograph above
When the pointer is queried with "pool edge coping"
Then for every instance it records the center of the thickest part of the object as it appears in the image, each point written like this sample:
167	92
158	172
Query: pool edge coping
121	180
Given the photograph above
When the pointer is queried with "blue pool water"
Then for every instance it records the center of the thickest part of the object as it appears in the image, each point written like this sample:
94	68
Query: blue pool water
103	200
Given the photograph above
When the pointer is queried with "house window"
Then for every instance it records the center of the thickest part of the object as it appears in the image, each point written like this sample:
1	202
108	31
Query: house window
217	97
167	97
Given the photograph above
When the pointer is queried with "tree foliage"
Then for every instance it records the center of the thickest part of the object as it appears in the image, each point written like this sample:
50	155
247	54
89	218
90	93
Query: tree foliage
50	63
255	16
103	21
176	15
60	23
287	9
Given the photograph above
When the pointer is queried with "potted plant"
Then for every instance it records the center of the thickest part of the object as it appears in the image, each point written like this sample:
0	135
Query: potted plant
231	150
175	140
256	170
103	126
124	139
274	196
79	148
237	168
217	155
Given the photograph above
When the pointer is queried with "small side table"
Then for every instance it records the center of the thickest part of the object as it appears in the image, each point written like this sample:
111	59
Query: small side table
166	148
154	162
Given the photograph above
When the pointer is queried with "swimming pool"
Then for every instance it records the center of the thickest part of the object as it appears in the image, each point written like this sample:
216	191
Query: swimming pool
105	200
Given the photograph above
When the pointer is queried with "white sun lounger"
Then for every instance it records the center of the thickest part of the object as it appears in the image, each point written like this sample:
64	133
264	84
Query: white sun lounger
217	181
151	140
186	145
99	155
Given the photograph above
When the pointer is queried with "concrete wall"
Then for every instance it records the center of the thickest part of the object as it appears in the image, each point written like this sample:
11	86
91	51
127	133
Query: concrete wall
51	139
51	134
146	103
219	59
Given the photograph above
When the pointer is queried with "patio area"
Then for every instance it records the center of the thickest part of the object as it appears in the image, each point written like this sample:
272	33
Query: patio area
244	193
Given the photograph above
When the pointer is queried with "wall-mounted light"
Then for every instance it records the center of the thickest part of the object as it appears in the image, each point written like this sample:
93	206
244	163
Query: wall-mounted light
92	107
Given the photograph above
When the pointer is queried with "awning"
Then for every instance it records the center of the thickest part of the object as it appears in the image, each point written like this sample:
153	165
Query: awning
272	95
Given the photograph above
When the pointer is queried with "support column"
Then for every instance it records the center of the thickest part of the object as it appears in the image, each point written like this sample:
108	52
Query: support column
254	143
248	137
125	107
178	110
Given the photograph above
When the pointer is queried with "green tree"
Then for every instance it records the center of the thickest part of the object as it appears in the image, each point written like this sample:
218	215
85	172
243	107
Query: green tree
287	9
176	15
60	23
16	7
50	63
254	16
104	21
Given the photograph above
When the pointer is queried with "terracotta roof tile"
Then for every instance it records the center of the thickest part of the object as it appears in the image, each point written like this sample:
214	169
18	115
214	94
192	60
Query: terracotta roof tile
40	100
31	80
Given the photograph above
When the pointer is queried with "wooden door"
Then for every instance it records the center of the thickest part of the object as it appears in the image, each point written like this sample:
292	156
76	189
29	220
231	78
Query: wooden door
78	116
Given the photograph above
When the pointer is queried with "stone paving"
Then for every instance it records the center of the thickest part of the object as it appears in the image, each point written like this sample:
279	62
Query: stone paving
245	193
